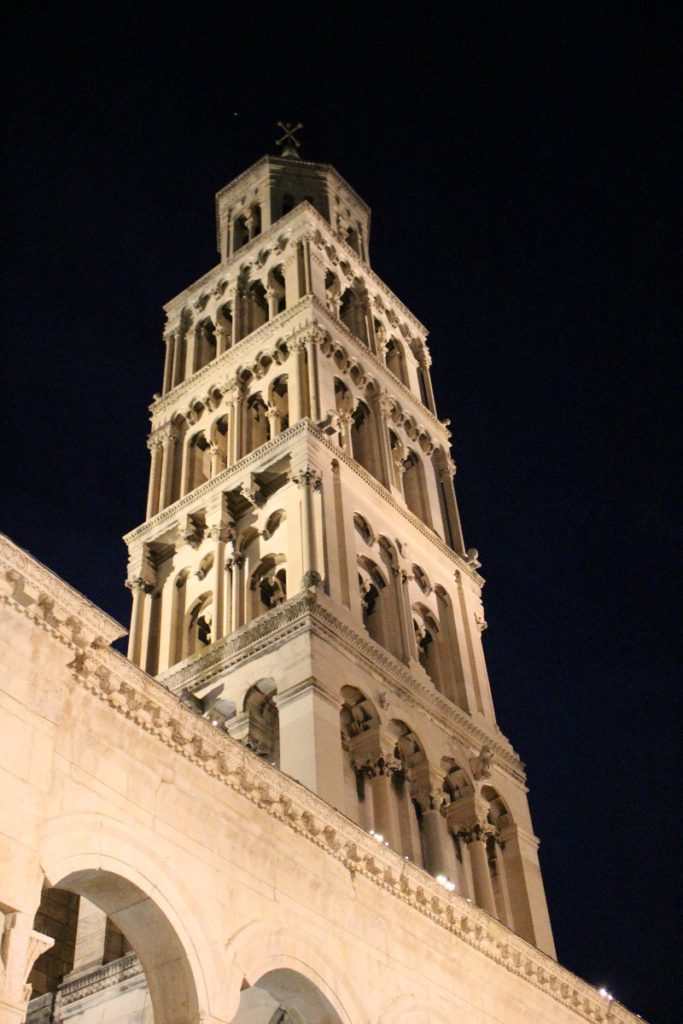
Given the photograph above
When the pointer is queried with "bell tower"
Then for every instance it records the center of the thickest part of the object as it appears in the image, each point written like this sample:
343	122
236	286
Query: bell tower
300	578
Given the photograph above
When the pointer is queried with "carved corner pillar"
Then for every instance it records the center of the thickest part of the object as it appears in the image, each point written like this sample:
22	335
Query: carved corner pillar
20	947
468	820
309	481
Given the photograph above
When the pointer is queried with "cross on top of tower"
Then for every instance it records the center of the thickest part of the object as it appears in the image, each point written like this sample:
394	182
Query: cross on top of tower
289	143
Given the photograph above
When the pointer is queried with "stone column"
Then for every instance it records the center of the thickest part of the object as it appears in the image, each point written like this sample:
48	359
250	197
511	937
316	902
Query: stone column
452	528
385	407
20	947
234	396
170	440
379	773
155	445
405	615
274	421
297	382
440	858
223	339
234	566
220	531
177	370
168	364
140	588
312	341
308	480
310	740
476	839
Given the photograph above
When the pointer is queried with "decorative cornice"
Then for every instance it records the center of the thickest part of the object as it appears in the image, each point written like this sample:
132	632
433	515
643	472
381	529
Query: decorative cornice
148	705
50	600
107	976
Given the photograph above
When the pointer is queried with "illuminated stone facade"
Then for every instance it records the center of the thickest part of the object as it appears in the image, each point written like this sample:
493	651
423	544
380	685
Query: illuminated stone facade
292	803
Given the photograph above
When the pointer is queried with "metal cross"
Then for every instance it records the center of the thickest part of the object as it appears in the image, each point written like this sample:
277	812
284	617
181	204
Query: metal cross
288	141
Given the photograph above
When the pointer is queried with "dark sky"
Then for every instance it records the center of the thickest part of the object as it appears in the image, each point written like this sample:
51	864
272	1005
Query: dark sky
519	162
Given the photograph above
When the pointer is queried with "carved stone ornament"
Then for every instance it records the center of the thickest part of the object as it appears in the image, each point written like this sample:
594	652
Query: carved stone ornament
481	765
308	477
311	578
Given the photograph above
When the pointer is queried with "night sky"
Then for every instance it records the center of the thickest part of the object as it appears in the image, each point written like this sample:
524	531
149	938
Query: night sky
519	163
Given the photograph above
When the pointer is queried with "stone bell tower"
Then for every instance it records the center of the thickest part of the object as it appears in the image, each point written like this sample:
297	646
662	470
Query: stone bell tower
300	578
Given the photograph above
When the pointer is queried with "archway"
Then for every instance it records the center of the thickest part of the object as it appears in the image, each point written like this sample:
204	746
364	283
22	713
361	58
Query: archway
99	917
285	996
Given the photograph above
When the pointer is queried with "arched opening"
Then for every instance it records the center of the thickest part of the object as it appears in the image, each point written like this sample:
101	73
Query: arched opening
255	218
364	439
332	292
268	584
276	290
279	402
499	819
176	454
358	718
426	636
198	625
263	730
450	655
352	314
100	919
408	784
198	466
220	439
379	607
257	422
240	232
256	308
284	996
224	325
396	361
204	345
415	488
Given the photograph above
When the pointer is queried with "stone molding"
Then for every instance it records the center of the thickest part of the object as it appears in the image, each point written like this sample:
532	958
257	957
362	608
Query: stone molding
108	975
30	584
146	703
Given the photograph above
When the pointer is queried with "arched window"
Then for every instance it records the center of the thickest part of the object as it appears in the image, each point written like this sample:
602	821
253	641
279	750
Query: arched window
364	439
415	488
240	232
352	313
279	401
256	307
276	288
204	345
263	736
426	633
396	361
198	466
198	626
257	422
268	584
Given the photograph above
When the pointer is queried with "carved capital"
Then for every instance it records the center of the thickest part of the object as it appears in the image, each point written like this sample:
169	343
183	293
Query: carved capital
311	578
139	583
308	477
376	767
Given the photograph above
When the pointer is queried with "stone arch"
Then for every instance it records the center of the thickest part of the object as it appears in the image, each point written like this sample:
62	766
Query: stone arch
415	487
364	439
279	404
261	948
268	583
197	461
353	313
257	422
359	719
409	784
450	655
377	604
263	736
148	900
427	638
395	359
